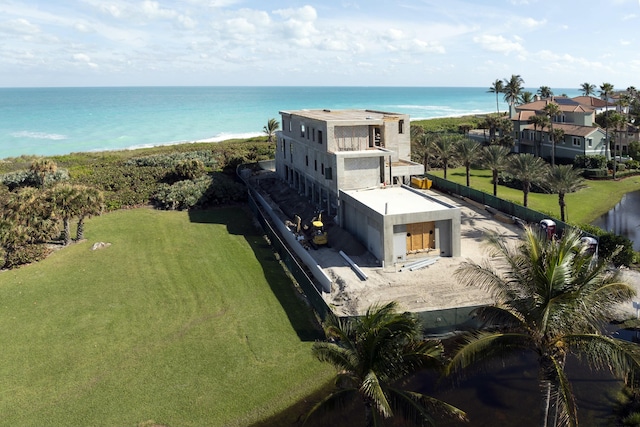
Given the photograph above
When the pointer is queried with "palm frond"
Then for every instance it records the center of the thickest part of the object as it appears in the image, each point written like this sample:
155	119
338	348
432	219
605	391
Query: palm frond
339	357
373	390
484	346
420	408
566	411
603	352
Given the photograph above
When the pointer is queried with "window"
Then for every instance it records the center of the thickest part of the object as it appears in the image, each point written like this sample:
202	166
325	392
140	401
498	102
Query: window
322	168
313	134
328	173
589	142
306	160
284	147
289	125
291	152
576	141
284	123
302	130
315	165
401	126
319	137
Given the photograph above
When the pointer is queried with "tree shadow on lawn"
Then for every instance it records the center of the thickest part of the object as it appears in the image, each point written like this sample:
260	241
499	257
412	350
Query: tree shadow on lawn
239	222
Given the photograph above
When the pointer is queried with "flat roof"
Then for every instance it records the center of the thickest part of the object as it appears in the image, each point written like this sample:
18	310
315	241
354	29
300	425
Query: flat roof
346	115
396	201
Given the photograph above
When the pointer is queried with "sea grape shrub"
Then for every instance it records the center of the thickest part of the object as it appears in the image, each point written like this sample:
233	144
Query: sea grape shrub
189	169
122	185
608	243
170	160
27	178
24	255
201	192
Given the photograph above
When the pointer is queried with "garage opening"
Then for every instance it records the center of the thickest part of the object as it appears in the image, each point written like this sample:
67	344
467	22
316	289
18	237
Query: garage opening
421	236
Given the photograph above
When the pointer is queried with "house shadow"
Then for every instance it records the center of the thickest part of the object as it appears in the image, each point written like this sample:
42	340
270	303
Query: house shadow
238	221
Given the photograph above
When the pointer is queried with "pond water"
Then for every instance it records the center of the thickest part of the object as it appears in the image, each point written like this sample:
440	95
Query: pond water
624	218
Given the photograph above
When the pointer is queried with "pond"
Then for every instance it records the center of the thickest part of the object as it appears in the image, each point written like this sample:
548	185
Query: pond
624	218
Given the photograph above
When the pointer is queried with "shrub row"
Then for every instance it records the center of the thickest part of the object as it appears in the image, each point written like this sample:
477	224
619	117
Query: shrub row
170	160
206	190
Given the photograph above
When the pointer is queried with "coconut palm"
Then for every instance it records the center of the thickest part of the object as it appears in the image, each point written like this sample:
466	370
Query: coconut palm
558	137
424	147
605	90
541	122
270	129
89	201
552	110
42	167
494	157
497	87
588	89
552	298
563	179
467	152
526	97
545	92
445	148
372	354
527	168
513	89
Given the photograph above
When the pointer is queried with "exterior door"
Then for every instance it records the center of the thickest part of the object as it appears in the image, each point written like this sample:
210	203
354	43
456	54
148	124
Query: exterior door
420	236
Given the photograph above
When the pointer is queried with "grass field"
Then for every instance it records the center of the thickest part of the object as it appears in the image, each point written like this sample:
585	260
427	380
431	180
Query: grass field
582	207
186	320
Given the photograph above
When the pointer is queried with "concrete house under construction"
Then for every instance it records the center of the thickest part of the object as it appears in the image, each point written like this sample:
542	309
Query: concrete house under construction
350	163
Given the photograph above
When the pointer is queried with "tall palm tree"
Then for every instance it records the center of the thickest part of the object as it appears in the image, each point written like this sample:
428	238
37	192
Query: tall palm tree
563	179
424	147
494	157
538	121
513	89
545	92
527	168
606	89
372	354
270	129
446	147
552	298
496	87
552	110
89	201
558	137
42	167
588	89
467	153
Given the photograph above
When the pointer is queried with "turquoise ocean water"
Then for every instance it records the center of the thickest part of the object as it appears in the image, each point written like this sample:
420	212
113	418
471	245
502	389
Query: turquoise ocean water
46	121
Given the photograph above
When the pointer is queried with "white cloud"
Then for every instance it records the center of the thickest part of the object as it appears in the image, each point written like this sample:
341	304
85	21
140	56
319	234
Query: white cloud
532	23
19	26
499	44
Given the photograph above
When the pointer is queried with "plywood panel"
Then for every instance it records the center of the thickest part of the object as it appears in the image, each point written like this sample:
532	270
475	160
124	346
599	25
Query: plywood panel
420	236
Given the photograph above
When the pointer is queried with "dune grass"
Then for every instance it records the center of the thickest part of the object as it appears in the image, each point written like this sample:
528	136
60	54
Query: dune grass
186	320
583	206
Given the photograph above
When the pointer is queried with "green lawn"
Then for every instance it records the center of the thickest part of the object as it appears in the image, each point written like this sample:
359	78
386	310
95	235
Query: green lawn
582	207
186	320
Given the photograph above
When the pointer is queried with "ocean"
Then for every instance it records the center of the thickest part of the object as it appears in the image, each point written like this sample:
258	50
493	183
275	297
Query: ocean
49	121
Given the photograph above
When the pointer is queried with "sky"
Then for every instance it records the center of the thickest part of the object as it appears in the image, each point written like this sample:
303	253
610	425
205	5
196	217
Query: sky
557	43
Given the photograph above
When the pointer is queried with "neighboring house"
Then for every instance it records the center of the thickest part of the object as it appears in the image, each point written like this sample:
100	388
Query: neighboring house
345	162
576	119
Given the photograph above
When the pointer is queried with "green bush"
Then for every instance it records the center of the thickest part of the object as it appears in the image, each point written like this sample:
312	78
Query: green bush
207	190
25	255
189	169
595	173
170	160
590	162
27	178
609	242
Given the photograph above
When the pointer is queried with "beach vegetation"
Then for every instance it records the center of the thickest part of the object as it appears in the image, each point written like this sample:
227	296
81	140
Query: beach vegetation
207	190
372	354
448	124
553	298
41	167
189	169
